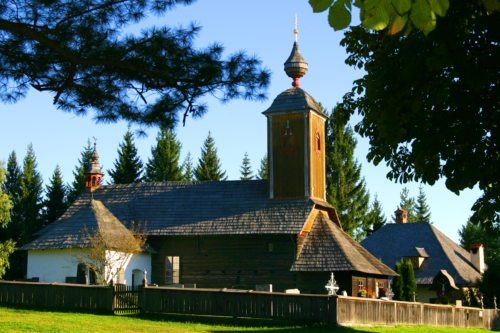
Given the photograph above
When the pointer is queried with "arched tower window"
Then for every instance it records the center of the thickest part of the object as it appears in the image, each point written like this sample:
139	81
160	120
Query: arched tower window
317	139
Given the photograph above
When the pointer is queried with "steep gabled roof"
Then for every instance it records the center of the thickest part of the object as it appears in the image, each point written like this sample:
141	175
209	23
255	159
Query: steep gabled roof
182	208
329	249
96	217
394	241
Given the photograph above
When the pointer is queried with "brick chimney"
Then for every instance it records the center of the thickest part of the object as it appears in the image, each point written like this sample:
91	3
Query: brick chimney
477	257
401	215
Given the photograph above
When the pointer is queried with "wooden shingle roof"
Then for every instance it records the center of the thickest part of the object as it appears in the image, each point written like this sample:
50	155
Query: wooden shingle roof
394	241
294	100
329	249
96	217
183	208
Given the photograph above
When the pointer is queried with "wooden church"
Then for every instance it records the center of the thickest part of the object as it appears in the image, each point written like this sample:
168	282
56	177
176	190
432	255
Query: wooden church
239	234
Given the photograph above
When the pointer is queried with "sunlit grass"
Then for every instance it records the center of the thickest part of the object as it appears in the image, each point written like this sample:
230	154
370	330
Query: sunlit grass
21	320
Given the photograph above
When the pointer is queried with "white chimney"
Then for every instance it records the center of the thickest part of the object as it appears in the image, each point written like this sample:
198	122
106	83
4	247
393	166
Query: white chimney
477	257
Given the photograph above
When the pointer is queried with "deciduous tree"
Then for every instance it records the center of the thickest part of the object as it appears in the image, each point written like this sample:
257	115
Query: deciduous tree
438	116
128	165
84	53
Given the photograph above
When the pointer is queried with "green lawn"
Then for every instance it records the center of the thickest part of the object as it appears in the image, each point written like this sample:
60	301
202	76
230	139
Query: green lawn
20	320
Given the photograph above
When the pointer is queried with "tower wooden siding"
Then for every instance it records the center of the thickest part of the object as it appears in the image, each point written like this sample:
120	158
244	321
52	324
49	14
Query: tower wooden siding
317	156
288	155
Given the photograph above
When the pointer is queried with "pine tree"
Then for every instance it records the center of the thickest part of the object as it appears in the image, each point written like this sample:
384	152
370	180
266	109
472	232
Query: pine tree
187	166
6	247
209	167
55	202
78	185
246	168
397	282
31	197
128	165
407	203
409	282
376	217
422	210
346	189
164	162
263	170
12	187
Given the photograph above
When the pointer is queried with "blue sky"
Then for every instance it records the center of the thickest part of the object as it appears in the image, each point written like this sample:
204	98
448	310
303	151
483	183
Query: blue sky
263	28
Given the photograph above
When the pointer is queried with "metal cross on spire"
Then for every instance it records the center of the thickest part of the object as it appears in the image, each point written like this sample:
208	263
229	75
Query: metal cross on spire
296	29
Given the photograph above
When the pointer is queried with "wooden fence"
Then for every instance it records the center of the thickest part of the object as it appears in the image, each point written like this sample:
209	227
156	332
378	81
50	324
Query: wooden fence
355	311
75	297
238	303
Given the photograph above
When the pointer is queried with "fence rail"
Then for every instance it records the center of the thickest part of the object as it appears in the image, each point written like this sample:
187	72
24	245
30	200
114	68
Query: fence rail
237	303
354	311
57	296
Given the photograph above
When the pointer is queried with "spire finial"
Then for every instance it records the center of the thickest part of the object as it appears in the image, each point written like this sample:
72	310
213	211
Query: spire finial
295	65
296	29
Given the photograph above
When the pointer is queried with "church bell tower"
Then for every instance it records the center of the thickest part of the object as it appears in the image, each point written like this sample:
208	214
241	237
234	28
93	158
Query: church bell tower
296	138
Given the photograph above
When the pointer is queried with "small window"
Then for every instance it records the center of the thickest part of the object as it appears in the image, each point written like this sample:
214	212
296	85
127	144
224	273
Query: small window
172	269
317	138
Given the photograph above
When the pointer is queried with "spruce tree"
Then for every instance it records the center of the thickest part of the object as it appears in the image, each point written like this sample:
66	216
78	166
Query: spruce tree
128	165
12	187
209	167
263	169
409	282
164	162
422	210
407	202
78	185
376	217
6	247
55	202
346	189
246	168
187	166
31	197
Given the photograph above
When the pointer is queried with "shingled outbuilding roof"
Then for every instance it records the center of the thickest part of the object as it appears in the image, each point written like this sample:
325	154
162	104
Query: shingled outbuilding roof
395	241
327	248
95	217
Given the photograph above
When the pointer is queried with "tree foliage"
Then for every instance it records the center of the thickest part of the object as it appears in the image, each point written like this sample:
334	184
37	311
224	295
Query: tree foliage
128	165
55	203
12	187
407	202
187	166
7	247
263	171
31	197
246	168
397	282
376	218
346	189
472	233
109	252
209	166
409	282
393	15
82	51
422	210
164	162
78	185
438	117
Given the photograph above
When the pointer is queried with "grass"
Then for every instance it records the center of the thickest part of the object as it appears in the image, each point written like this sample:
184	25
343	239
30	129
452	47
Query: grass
22	320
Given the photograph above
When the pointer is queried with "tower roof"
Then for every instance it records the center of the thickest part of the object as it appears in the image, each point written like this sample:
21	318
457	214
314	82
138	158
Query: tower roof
94	167
294	99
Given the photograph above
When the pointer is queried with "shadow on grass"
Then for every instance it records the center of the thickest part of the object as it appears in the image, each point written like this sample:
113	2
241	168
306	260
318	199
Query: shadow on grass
258	325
